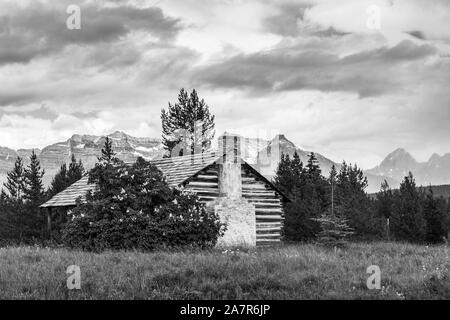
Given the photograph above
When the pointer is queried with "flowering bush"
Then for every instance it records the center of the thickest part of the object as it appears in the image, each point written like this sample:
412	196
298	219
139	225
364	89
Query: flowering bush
133	207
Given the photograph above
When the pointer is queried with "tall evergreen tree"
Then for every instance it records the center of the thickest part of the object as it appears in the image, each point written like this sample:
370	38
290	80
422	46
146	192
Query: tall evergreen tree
188	126
385	199
59	182
28	217
12	206
316	190
76	170
407	221
353	203
107	153
434	211
313	165
307	190
7	227
65	177
107	162
332	181
334	228
289	174
34	189
15	180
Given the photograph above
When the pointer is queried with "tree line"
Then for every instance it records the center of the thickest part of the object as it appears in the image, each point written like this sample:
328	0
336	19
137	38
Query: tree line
23	192
335	208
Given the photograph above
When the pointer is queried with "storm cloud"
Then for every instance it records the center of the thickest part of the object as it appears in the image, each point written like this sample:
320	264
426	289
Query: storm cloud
40	29
367	73
311	69
290	21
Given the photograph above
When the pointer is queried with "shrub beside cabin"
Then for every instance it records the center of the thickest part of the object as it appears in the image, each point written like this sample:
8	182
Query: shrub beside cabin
249	203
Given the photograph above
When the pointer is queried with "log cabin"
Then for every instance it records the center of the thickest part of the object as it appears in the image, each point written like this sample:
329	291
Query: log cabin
250	204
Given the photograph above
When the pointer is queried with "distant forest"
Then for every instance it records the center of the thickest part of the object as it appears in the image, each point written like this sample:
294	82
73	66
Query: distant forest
438	191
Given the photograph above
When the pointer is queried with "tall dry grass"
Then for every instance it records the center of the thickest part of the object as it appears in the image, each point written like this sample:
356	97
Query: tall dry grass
286	272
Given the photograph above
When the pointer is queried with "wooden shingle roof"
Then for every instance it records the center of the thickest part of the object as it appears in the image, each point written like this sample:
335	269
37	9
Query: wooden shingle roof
179	169
176	170
68	196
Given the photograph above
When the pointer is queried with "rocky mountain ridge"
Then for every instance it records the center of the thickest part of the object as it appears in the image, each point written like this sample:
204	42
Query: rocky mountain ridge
397	164
263	154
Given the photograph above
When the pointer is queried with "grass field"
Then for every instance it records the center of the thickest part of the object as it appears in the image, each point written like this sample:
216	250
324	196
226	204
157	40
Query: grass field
288	272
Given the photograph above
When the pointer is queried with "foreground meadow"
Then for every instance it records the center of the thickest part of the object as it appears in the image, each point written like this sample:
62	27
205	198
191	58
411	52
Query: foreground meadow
285	272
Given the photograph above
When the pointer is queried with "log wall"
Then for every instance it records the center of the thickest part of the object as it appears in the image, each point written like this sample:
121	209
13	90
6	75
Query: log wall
268	207
267	202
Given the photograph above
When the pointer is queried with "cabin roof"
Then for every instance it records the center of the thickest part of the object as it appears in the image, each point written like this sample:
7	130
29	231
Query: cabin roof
68	196
177	170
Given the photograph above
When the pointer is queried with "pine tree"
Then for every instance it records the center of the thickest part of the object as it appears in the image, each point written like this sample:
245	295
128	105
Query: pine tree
12	203
29	217
15	180
7	227
107	162
107	153
34	189
407	221
334	230
385	200
66	177
289	174
353	203
332	181
59	182
76	170
188	126
313	165
307	190
316	189
434	211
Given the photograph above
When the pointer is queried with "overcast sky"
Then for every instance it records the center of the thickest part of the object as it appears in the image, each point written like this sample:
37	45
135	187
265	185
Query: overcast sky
321	72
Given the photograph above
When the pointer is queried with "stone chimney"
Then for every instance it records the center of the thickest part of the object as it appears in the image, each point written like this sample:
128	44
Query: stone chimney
235	211
230	178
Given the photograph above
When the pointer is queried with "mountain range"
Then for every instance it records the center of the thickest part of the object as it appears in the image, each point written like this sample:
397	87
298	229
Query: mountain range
85	148
267	162
399	163
263	154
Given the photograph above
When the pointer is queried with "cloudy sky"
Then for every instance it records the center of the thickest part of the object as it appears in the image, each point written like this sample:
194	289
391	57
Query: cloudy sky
328	74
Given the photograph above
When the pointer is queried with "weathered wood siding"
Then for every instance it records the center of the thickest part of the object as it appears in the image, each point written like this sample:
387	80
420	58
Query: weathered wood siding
205	183
268	206
268	203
